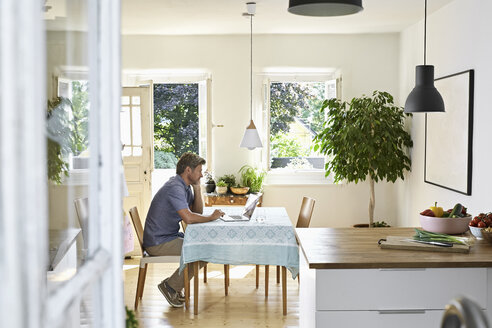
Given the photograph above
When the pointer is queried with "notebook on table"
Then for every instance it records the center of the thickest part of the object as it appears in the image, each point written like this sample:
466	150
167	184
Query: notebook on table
248	210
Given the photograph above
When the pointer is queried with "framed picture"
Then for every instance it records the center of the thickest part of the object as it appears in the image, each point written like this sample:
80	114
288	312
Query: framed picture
449	135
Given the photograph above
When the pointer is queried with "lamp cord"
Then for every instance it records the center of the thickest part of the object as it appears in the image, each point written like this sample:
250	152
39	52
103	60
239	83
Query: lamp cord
251	67
425	30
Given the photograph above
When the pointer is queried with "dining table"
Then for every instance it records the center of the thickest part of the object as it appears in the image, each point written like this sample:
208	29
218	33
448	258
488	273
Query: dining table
268	238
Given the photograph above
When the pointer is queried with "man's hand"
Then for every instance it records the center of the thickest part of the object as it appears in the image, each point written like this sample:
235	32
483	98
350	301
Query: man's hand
216	214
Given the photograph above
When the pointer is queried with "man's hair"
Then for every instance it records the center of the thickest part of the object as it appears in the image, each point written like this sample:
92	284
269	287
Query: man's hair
188	160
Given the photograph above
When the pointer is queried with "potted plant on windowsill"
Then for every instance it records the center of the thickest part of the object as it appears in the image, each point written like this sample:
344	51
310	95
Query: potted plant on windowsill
365	139
209	182
221	187
252	178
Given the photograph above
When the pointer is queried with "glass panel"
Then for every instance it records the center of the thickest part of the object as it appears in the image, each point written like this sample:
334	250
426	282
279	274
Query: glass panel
127	151
136	126
125	100
125	131
176	123
137	151
68	146
295	119
135	100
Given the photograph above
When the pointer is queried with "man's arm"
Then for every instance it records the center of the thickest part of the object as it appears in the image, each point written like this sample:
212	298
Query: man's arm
190	217
197	206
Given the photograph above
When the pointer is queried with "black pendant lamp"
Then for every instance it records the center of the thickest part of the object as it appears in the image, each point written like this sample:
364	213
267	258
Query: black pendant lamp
424	98
325	7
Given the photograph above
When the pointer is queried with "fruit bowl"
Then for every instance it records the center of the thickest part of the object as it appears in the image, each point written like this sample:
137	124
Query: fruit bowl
487	235
476	231
445	225
240	190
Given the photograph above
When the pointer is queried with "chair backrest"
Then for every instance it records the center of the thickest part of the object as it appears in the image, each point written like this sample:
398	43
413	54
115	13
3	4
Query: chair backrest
305	213
82	210
183	225
137	224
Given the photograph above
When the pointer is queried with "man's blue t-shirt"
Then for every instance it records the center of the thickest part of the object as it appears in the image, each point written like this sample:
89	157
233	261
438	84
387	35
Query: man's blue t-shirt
162	223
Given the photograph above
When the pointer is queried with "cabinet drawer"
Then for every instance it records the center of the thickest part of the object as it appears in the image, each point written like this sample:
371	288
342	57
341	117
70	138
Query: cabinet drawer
396	289
389	319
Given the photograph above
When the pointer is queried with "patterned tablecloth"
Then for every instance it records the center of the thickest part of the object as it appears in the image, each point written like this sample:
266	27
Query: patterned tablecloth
268	238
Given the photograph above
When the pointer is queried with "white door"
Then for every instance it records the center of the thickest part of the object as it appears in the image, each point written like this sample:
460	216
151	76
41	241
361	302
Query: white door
136	137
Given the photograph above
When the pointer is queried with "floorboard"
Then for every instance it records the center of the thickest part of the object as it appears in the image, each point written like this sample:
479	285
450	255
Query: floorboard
245	306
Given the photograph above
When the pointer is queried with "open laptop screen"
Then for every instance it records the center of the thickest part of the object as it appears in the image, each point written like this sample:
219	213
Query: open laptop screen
250	206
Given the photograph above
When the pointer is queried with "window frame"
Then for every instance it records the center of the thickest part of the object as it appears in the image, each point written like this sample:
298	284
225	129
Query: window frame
283	176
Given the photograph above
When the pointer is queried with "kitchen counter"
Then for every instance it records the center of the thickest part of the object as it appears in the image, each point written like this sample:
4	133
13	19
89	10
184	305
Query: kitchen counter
346	280
357	248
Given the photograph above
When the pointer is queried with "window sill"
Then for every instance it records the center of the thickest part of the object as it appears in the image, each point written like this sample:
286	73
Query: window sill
297	177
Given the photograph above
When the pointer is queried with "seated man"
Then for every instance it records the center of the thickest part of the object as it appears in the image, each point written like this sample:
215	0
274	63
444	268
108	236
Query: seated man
175	202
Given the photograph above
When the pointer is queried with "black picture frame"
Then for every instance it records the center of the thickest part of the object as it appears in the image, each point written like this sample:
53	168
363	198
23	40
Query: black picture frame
448	155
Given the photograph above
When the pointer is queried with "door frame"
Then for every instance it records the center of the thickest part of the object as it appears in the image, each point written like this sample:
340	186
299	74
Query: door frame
24	301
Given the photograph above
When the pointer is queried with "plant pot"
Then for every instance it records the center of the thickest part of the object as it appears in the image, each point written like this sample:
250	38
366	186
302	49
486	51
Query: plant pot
210	187
221	190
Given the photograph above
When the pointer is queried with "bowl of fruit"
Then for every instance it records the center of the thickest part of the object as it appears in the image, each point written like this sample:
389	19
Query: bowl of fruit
479	223
487	234
452	221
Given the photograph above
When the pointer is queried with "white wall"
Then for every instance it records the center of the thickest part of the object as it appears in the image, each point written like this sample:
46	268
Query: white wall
458	39
367	62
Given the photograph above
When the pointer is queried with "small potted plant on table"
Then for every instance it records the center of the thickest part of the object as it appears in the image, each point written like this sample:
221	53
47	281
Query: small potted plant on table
221	187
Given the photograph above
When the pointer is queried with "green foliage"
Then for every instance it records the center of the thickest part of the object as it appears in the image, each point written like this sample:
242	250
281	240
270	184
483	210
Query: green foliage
59	134
80	112
131	320
221	183
229	179
380	224
364	138
164	160
252	178
286	102
176	118
285	145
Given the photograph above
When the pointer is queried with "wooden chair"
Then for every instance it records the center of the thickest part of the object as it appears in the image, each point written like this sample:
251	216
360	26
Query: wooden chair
303	220
82	210
146	258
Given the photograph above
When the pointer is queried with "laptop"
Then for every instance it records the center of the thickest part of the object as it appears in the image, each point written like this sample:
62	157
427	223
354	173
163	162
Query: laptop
248	210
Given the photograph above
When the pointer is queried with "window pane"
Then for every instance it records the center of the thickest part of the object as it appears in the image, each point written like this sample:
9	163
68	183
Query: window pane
176	123
67	132
295	119
136	126
135	100
125	130
137	151
125	100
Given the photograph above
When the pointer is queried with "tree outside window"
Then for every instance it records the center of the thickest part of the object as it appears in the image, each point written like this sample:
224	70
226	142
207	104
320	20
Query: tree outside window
295	119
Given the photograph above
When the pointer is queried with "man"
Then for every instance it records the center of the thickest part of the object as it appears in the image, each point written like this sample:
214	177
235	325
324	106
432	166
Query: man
174	202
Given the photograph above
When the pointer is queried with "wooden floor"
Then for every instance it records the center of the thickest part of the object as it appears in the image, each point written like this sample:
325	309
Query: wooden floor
245	306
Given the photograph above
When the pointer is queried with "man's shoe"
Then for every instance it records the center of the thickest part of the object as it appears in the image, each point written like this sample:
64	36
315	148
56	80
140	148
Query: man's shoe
181	296
170	294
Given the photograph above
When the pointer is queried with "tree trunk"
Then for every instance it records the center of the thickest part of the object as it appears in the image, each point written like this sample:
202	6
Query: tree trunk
372	203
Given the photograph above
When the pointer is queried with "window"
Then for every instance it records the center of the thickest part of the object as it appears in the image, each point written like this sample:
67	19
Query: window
293	119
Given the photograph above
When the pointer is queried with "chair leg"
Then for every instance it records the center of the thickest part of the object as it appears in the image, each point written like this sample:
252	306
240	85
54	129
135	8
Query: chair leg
257	275
205	273
278	274
299	278
226	279
143	282
267	273
141	279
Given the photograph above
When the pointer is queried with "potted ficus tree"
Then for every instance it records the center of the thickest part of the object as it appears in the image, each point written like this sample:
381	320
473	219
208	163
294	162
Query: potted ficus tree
365	139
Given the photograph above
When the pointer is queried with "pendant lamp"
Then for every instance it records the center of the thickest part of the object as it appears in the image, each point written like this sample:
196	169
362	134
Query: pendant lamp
251	138
325	7
424	98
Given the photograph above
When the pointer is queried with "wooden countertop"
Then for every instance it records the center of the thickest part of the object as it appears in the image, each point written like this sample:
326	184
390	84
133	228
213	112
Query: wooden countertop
357	248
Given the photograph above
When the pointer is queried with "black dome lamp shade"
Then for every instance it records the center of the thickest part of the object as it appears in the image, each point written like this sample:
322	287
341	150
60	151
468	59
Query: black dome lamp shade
424	98
325	7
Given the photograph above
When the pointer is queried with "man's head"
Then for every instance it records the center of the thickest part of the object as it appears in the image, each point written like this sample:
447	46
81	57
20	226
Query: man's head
189	167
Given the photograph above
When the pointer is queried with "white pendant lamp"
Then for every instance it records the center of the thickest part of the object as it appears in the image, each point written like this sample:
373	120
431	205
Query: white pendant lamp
251	138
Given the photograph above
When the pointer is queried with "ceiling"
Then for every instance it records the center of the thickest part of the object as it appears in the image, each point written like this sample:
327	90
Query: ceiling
185	17
195	17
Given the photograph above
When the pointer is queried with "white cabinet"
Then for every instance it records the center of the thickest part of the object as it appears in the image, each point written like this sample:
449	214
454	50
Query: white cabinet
384	297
